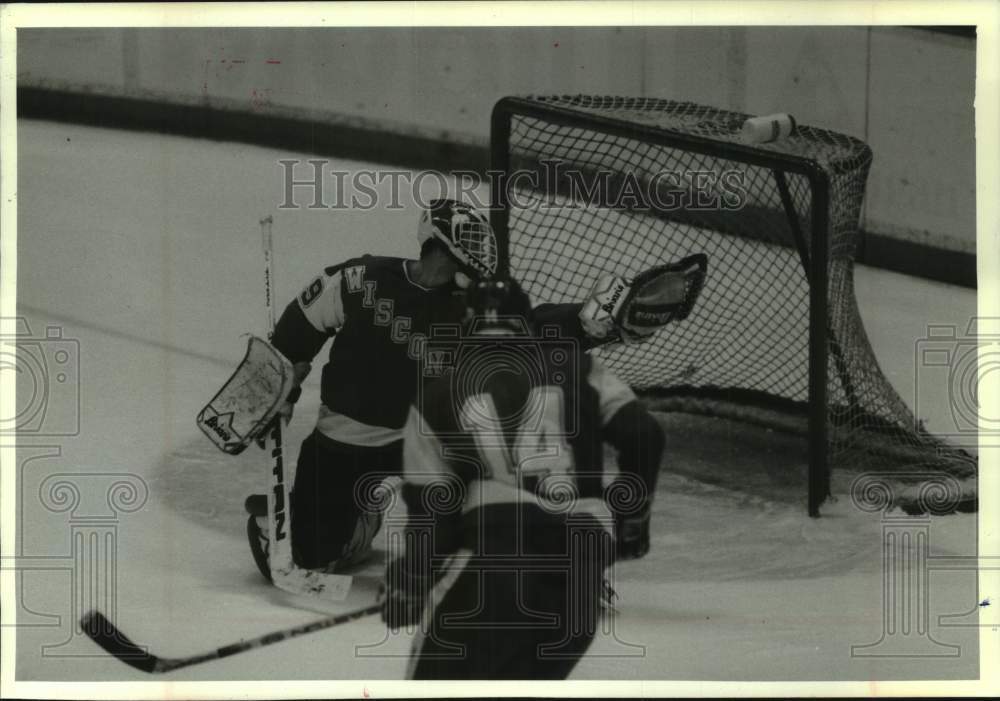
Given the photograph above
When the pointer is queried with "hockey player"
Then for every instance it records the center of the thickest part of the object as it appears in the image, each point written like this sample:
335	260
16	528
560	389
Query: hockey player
512	580
379	311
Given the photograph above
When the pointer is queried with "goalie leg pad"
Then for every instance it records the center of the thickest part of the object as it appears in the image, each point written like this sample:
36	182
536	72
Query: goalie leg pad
259	543
333	515
256	505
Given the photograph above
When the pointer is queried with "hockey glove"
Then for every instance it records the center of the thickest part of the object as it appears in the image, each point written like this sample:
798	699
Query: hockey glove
631	311
402	595
299	372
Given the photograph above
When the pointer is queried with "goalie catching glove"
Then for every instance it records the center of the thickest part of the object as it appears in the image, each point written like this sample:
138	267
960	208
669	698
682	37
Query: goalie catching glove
631	311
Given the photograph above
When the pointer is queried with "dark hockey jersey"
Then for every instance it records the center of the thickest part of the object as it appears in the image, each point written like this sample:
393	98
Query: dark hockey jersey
380	319
510	436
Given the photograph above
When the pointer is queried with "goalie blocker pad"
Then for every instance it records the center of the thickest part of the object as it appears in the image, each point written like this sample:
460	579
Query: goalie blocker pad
632	310
250	399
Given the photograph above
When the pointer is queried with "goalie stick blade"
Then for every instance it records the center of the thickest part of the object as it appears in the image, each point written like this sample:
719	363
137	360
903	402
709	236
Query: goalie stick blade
103	632
333	587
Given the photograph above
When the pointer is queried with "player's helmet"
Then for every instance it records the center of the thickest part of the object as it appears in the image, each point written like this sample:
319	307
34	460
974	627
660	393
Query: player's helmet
498	307
465	232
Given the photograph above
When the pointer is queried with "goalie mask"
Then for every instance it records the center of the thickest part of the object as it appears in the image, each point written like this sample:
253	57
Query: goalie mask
498	307
466	234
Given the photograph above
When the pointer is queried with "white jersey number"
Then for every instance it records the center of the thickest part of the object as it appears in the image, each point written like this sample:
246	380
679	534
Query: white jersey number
539	448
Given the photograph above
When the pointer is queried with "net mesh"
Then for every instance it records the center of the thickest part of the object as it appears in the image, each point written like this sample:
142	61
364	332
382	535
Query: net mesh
599	202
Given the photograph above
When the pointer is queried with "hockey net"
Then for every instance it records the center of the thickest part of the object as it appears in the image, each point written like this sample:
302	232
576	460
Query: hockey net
744	351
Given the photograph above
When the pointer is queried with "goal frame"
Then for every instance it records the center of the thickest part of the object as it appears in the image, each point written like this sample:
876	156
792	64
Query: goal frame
815	266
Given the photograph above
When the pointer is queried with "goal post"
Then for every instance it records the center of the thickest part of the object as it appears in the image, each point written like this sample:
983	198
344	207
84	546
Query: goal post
776	338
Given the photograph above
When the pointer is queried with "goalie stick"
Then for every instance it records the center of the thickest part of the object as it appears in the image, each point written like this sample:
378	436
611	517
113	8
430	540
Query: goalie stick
103	632
284	572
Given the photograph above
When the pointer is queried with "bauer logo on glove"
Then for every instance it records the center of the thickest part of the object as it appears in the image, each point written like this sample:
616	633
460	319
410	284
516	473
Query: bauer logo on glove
620	309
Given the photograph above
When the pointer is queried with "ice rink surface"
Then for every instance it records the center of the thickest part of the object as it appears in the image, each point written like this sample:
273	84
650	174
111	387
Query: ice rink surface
146	249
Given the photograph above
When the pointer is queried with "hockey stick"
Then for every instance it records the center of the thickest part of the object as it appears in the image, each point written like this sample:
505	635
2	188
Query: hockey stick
115	643
284	573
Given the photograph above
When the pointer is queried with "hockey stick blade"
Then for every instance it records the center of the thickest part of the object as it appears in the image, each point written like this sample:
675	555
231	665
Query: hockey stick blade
103	632
334	587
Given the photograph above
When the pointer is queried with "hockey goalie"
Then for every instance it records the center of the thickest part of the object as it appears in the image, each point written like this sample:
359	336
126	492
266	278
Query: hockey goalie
377	310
